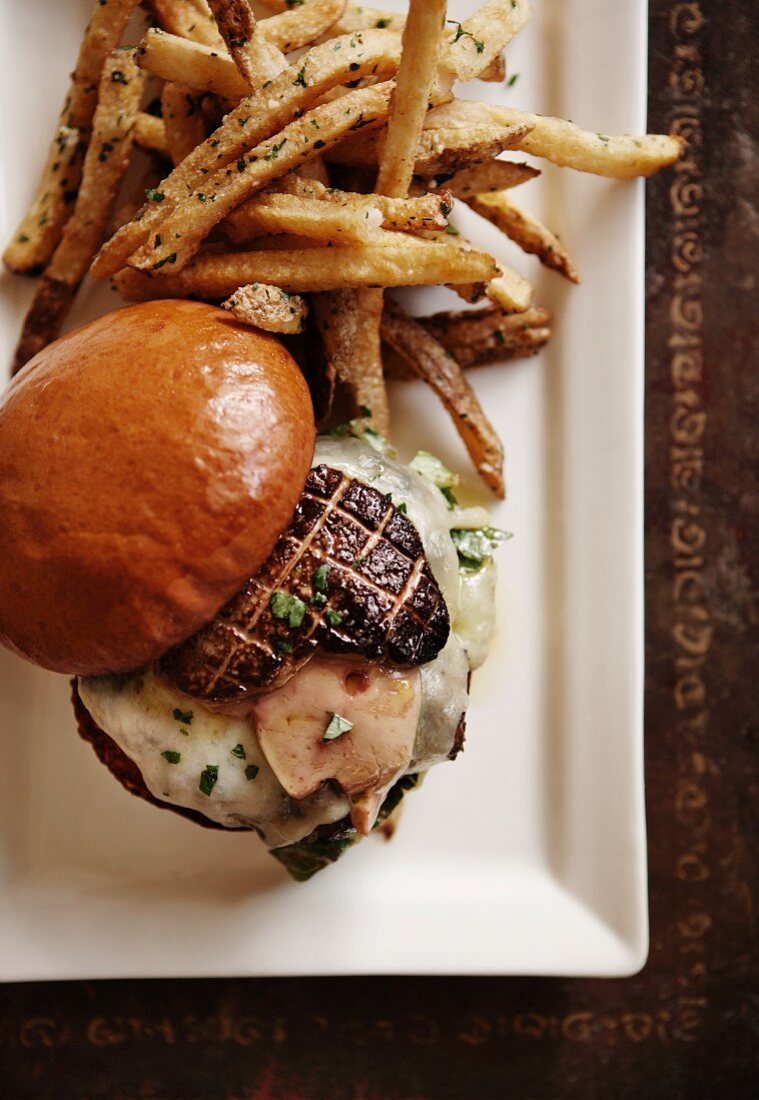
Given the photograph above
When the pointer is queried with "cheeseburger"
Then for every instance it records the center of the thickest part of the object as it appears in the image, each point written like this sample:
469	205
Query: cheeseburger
267	630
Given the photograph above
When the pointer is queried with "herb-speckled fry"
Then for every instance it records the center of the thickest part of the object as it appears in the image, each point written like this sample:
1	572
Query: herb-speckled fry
150	134
37	236
178	236
562	142
375	53
441	151
202	68
183	122
256	59
478	40
525	230
104	167
491	175
395	260
188	18
439	369
337	216
479	336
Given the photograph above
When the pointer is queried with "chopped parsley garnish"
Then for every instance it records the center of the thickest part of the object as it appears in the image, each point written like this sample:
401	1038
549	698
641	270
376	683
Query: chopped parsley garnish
382	23
334	618
301	78
251	771
364	410
285	606
154	196
117	77
475	547
462	33
171	756
238	751
512	80
336	726
319	579
402	507
170	259
208	778
283	645
183	716
275	150
430	467
241	164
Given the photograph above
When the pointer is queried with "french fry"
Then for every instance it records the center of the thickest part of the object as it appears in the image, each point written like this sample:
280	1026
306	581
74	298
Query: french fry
357	17
491	175
318	370
478	40
342	218
256	59
338	316
439	369
134	199
368	383
104	167
399	260
443	151
39	231
182	230
202	68
621	156
300	24
188	18
322	68
416	75
150	134
183	122
268	308
440	151
476	337
525	230
308	217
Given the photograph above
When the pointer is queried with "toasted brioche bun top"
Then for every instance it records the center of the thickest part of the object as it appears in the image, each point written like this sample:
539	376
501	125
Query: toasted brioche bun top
148	463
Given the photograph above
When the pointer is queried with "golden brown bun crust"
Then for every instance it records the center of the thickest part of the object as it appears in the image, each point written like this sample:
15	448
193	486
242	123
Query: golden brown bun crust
121	767
148	463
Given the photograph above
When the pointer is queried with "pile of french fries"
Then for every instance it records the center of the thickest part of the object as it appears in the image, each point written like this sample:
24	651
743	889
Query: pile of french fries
298	165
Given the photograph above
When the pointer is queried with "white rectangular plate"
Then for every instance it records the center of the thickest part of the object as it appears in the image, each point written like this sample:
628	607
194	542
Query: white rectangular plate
528	855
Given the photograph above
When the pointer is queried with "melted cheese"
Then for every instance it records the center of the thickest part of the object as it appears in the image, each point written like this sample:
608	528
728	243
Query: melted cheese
381	704
280	801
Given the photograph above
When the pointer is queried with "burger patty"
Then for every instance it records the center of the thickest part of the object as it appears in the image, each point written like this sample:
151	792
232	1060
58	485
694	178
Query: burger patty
349	575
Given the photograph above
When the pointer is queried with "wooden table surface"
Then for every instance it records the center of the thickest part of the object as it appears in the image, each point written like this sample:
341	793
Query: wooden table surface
687	1026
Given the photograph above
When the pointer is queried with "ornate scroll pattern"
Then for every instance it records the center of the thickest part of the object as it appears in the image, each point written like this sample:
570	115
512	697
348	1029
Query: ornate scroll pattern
691	624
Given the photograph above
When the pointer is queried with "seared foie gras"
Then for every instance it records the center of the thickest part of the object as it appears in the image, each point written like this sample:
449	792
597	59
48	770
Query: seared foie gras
349	575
